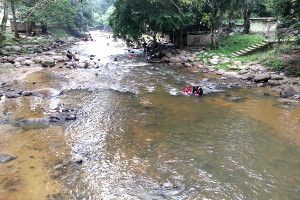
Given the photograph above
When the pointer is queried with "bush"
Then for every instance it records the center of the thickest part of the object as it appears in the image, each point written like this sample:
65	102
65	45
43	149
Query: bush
274	63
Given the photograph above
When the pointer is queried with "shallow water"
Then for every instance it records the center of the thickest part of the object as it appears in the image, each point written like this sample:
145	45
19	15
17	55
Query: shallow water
140	139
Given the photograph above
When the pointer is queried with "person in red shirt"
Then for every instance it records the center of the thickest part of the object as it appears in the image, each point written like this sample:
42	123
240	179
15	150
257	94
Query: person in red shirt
187	90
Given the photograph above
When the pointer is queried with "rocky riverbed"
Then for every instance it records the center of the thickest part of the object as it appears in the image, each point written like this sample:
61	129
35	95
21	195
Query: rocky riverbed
98	127
250	73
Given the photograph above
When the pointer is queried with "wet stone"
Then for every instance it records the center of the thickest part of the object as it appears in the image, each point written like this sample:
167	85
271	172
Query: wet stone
70	116
168	186
4	158
26	93
274	82
287	92
13	94
262	77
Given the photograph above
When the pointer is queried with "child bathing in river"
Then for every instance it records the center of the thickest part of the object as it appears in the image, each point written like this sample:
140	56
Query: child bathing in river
197	90
187	90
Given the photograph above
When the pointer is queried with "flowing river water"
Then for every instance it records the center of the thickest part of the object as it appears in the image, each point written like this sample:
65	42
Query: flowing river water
138	138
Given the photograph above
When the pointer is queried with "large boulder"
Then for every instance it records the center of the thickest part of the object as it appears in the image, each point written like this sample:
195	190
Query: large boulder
38	60
28	62
7	65
48	62
13	94
248	76
277	77
274	82
59	58
287	91
262	77
19	59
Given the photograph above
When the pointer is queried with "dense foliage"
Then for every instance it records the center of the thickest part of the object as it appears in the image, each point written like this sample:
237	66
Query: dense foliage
74	16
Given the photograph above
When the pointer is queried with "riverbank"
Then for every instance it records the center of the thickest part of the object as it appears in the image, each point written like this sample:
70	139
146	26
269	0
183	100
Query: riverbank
250	74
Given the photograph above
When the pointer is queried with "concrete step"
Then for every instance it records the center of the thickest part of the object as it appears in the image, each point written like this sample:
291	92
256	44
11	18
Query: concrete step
251	48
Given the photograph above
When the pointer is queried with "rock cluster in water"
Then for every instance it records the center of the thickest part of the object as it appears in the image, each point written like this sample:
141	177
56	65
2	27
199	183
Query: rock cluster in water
253	73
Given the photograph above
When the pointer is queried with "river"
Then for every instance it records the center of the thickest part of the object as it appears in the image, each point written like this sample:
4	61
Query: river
139	138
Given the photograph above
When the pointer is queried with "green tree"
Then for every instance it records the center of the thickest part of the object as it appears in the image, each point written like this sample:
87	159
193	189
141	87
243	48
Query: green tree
5	15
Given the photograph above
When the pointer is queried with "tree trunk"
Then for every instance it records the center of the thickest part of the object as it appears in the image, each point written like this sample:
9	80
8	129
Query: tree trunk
12	2
213	39
28	28
181	39
44	28
247	15
5	16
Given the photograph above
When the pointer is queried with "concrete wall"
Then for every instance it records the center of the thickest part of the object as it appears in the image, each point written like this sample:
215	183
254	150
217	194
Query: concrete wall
198	40
265	26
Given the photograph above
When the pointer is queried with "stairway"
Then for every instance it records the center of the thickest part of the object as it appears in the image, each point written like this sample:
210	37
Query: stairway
254	48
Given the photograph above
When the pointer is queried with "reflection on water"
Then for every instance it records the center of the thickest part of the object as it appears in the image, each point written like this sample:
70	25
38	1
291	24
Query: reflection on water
138	138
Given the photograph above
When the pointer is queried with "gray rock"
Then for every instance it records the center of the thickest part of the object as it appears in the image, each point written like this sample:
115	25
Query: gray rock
81	65
28	62
70	116
26	93
12	94
7	65
233	67
296	96
260	85
242	72
46	92
19	59
59	58
276	77
262	77
287	91
188	64
48	62
220	72
237	62
236	99
10	59
274	82
18	64
16	48
168	186
244	67
214	61
248	76
4	158
35	121
38	60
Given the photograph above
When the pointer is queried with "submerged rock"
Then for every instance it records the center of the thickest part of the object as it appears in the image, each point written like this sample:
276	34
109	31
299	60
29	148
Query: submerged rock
4	158
46	92
287	92
35	121
13	94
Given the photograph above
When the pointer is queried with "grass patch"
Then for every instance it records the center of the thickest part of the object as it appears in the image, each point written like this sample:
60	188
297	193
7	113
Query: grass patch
231	44
8	39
